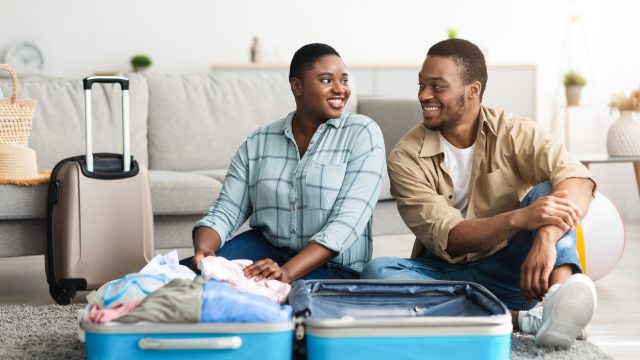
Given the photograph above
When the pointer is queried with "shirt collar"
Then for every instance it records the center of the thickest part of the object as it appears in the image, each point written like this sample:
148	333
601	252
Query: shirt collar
336	123
489	120
432	145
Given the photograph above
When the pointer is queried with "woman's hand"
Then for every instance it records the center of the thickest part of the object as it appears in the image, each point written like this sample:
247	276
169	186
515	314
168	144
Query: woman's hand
206	243
267	269
200	253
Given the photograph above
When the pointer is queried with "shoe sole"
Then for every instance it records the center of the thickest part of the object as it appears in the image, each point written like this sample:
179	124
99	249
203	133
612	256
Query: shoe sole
574	309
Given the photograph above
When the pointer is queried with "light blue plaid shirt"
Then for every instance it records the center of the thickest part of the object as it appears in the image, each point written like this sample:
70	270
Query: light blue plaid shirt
326	197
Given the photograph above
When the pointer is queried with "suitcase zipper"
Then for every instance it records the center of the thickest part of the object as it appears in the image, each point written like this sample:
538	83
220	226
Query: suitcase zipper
299	328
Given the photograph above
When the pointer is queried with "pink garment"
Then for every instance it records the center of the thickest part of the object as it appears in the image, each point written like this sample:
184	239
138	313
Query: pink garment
230	272
98	315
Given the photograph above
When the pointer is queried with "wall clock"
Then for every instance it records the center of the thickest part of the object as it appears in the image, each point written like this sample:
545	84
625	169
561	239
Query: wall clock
25	56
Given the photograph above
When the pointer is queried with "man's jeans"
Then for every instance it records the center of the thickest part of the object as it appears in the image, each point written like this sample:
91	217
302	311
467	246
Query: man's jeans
500	272
252	245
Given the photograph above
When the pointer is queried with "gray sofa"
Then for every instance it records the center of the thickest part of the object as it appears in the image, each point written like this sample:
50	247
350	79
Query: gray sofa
184	128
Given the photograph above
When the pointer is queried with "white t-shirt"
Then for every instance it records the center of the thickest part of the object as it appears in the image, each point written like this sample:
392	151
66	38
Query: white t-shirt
459	163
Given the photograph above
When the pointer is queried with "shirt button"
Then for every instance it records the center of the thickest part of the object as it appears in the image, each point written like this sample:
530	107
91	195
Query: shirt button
450	196
292	231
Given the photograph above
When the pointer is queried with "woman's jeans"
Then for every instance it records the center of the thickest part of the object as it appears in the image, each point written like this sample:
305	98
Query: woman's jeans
252	245
500	272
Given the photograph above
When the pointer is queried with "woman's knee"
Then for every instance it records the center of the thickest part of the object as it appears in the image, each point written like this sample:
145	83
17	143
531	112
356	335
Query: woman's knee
375	268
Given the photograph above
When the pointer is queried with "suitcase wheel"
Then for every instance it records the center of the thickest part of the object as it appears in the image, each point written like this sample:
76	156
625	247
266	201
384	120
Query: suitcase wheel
60	295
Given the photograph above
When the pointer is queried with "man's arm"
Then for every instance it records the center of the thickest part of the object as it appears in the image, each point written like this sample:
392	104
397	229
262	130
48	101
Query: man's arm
479	235
538	265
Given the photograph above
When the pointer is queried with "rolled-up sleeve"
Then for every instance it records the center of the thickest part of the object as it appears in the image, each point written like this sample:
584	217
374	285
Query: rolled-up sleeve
232	207
424	211
358	193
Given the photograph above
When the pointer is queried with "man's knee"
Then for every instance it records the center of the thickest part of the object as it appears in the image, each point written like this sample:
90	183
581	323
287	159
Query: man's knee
542	189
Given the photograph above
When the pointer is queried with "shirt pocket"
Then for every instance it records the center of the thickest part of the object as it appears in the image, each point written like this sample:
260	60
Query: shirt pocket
322	184
495	193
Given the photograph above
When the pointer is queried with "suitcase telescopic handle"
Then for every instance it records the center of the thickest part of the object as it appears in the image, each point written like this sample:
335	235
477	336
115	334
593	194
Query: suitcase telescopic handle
124	85
217	343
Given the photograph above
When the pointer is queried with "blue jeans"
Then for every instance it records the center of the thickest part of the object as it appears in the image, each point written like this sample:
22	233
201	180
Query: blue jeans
254	246
500	272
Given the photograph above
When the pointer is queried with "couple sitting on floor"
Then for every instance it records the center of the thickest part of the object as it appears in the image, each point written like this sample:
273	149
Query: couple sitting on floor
490	197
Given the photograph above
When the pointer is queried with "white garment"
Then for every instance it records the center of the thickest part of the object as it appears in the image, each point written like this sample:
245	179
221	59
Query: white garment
230	272
459	163
169	266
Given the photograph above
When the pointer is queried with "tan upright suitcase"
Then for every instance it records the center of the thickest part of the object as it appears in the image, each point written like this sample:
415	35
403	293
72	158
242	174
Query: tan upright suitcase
100	221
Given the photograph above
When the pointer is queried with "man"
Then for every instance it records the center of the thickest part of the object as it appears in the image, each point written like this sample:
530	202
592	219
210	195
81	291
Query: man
492	199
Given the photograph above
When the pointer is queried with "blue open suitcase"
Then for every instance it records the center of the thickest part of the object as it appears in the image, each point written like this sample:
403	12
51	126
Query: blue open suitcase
334	319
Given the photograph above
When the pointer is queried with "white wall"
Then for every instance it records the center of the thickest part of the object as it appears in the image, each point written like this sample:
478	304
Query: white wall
84	36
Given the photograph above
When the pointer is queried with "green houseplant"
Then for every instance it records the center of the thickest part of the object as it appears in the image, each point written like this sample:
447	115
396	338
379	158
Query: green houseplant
140	62
573	83
452	33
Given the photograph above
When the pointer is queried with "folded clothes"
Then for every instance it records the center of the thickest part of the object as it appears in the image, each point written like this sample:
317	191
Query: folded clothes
169	266
230	272
205	300
130	288
179	301
221	303
99	315
133	287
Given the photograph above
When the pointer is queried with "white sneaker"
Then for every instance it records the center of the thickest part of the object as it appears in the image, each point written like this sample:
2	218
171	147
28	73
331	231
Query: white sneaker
567	311
531	321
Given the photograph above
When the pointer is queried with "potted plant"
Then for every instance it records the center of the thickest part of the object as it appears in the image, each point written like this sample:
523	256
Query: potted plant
452	33
140	62
623	137
573	83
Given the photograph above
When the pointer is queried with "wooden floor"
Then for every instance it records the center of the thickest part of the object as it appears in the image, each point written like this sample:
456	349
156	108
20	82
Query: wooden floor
615	328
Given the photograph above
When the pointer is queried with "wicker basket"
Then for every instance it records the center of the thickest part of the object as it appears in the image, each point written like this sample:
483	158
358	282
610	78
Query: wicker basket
16	115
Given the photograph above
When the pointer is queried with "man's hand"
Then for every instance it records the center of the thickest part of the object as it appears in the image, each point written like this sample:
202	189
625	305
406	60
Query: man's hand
554	209
537	266
267	269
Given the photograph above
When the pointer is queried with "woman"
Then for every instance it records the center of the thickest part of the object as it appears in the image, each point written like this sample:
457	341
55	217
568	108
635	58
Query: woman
308	181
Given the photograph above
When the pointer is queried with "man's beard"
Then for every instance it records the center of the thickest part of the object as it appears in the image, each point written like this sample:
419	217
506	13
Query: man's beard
461	108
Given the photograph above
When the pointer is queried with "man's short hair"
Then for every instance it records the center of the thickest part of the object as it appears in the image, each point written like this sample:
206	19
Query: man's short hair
307	56
468	57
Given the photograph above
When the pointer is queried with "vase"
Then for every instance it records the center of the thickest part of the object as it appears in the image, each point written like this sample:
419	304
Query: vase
573	95
623	137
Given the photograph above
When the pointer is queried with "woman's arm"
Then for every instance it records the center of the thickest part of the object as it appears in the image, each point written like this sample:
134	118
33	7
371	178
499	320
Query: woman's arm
228	212
310	258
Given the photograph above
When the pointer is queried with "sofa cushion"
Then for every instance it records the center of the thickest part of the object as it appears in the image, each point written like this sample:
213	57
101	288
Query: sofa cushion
208	117
394	116
23	202
214	174
182	193
59	125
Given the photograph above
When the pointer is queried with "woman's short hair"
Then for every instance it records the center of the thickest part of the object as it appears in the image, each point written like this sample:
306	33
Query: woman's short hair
307	56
